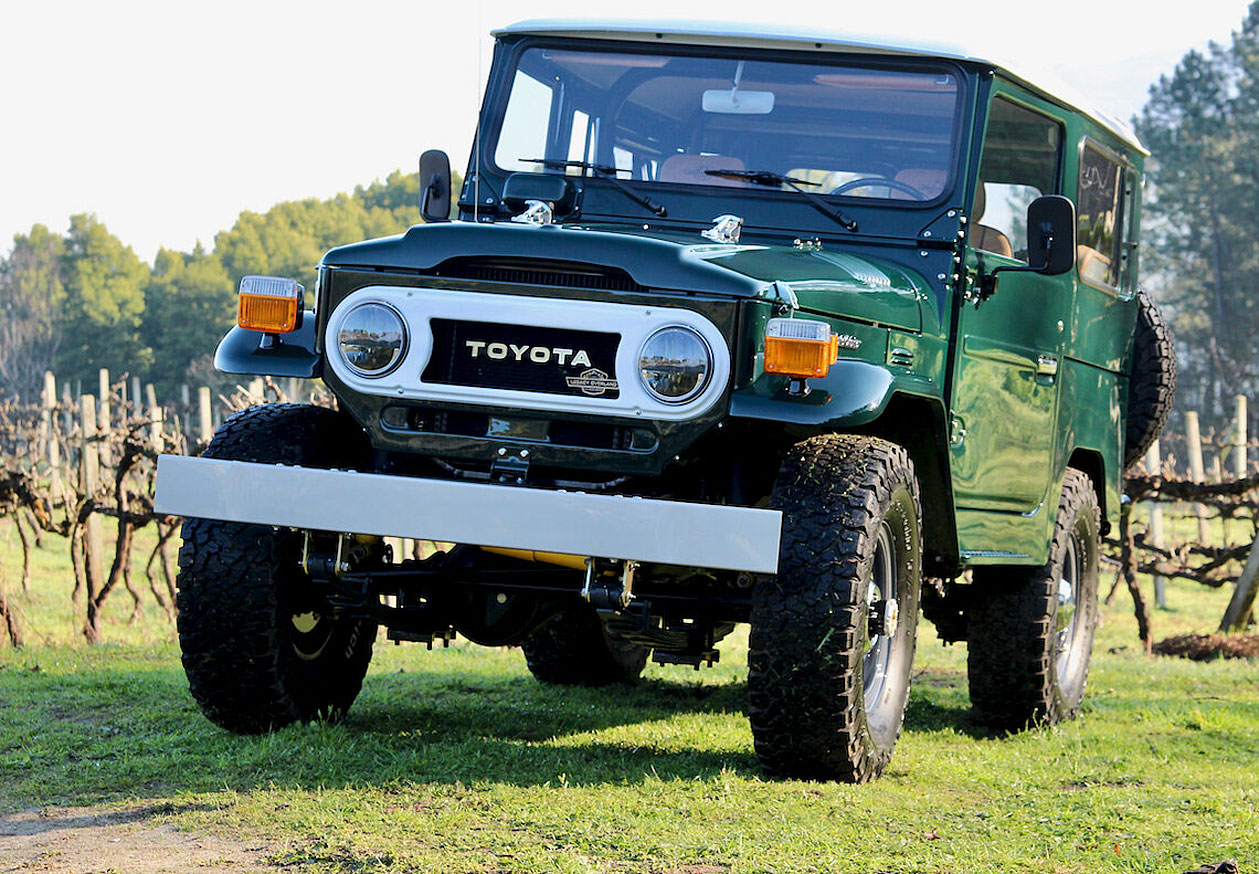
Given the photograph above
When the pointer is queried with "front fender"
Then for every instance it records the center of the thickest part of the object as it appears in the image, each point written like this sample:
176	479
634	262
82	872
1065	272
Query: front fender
293	354
853	393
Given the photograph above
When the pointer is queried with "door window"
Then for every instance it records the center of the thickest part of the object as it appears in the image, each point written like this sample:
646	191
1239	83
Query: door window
1020	163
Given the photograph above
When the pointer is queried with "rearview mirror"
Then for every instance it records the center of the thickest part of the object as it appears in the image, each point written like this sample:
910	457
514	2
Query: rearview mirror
435	186
1051	235
731	101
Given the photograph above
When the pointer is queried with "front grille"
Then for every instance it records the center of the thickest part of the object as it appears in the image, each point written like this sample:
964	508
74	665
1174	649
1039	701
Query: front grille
554	274
559	433
558	361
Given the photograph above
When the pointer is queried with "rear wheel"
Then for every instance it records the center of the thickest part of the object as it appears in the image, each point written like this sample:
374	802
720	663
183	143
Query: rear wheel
1030	630
833	634
261	648
1152	387
575	649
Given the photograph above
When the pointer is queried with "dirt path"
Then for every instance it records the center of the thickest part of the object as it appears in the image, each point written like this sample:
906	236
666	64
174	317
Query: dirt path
82	840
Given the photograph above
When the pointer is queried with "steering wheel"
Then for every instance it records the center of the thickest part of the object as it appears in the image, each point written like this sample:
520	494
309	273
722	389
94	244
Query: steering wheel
879	181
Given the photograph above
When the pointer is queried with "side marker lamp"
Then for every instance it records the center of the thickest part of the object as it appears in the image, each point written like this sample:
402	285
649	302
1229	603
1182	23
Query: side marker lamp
269	304
800	348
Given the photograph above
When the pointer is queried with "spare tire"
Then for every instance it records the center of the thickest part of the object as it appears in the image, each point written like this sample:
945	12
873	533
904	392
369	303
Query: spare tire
1152	387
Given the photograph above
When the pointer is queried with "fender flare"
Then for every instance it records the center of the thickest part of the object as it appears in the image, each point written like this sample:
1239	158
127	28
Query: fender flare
293	354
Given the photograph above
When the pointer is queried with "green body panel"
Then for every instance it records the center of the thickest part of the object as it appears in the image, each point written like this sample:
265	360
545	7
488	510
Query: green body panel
295	354
838	283
1022	425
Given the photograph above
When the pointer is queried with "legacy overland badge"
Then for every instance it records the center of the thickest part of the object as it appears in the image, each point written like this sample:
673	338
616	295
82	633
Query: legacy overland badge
592	382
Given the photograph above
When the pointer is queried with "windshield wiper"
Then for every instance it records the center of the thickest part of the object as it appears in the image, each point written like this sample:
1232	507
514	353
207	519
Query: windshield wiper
771	179
605	172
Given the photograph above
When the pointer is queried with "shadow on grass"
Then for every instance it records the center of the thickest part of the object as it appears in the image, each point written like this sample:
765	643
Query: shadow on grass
135	732
927	715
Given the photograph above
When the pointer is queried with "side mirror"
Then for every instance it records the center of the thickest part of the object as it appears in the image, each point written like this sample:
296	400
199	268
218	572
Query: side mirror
1051	235
435	186
1050	242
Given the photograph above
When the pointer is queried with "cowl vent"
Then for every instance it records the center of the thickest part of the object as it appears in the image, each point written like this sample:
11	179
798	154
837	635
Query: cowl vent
555	274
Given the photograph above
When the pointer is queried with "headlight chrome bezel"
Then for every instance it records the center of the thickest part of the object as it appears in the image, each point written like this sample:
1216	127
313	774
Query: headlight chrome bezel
705	348
400	352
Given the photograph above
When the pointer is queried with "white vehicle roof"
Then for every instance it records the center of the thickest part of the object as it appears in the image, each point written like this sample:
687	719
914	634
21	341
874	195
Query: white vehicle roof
773	36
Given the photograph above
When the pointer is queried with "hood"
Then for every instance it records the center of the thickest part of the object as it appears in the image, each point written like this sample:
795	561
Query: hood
834	282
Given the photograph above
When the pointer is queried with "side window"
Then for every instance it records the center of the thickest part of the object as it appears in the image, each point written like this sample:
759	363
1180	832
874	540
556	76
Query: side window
1099	218
1020	163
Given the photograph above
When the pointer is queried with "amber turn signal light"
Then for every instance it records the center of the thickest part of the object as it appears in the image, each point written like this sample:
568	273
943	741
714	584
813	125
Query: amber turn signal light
269	303
800	347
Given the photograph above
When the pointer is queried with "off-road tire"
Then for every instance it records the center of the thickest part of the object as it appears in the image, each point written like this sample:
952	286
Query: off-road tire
254	656
1023	669
1152	387
574	649
844	499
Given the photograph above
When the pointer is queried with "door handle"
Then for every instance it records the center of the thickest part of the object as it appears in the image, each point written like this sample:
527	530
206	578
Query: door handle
1046	365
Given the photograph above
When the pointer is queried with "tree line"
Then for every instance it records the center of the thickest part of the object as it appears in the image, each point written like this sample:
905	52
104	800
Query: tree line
82	300
1200	248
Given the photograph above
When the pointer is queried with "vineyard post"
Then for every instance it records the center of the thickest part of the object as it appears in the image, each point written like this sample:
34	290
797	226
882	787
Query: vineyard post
1239	438
1154	464
52	450
185	418
1193	435
47	417
93	538
156	417
1237	614
205	415
102	415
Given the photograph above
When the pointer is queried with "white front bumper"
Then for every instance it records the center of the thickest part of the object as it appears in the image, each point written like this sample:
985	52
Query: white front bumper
604	526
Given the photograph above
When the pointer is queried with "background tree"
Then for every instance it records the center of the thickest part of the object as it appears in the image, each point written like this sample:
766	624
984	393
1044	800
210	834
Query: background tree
31	296
82	301
105	283
1201	124
190	302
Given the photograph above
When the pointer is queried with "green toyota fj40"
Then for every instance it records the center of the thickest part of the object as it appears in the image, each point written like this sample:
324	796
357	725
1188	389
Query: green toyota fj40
784	329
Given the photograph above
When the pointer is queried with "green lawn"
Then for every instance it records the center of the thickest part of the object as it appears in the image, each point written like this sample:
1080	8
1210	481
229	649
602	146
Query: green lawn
456	760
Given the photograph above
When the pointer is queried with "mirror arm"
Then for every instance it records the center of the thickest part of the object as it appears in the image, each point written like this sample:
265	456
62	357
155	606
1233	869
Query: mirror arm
988	281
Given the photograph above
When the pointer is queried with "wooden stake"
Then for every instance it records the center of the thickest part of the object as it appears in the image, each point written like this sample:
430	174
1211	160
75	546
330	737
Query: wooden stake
1239	438
136	409
1193	436
156	416
1237	615
205	415
185	418
93	538
1154	464
102	416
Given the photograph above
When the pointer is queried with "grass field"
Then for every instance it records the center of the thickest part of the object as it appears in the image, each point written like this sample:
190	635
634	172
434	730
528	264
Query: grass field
456	760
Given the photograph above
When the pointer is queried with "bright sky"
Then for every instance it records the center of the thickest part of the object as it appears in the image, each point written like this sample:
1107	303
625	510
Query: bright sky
166	119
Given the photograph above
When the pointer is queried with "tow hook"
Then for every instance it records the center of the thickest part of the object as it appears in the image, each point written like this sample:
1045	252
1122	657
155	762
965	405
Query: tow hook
351	550
883	617
609	591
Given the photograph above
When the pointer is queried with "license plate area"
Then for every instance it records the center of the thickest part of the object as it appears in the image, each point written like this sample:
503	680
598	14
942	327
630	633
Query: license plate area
557	361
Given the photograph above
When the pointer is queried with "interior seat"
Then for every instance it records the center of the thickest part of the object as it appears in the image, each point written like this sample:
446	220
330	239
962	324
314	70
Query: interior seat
690	170
984	237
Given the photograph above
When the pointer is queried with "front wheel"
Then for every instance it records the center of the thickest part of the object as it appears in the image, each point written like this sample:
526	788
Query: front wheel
833	634
261	647
1030	630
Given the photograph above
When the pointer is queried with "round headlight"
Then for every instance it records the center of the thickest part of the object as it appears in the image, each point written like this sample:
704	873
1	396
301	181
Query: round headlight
372	339
674	364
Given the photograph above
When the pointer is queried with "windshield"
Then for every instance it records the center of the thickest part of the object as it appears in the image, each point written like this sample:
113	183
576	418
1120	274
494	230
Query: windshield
863	132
